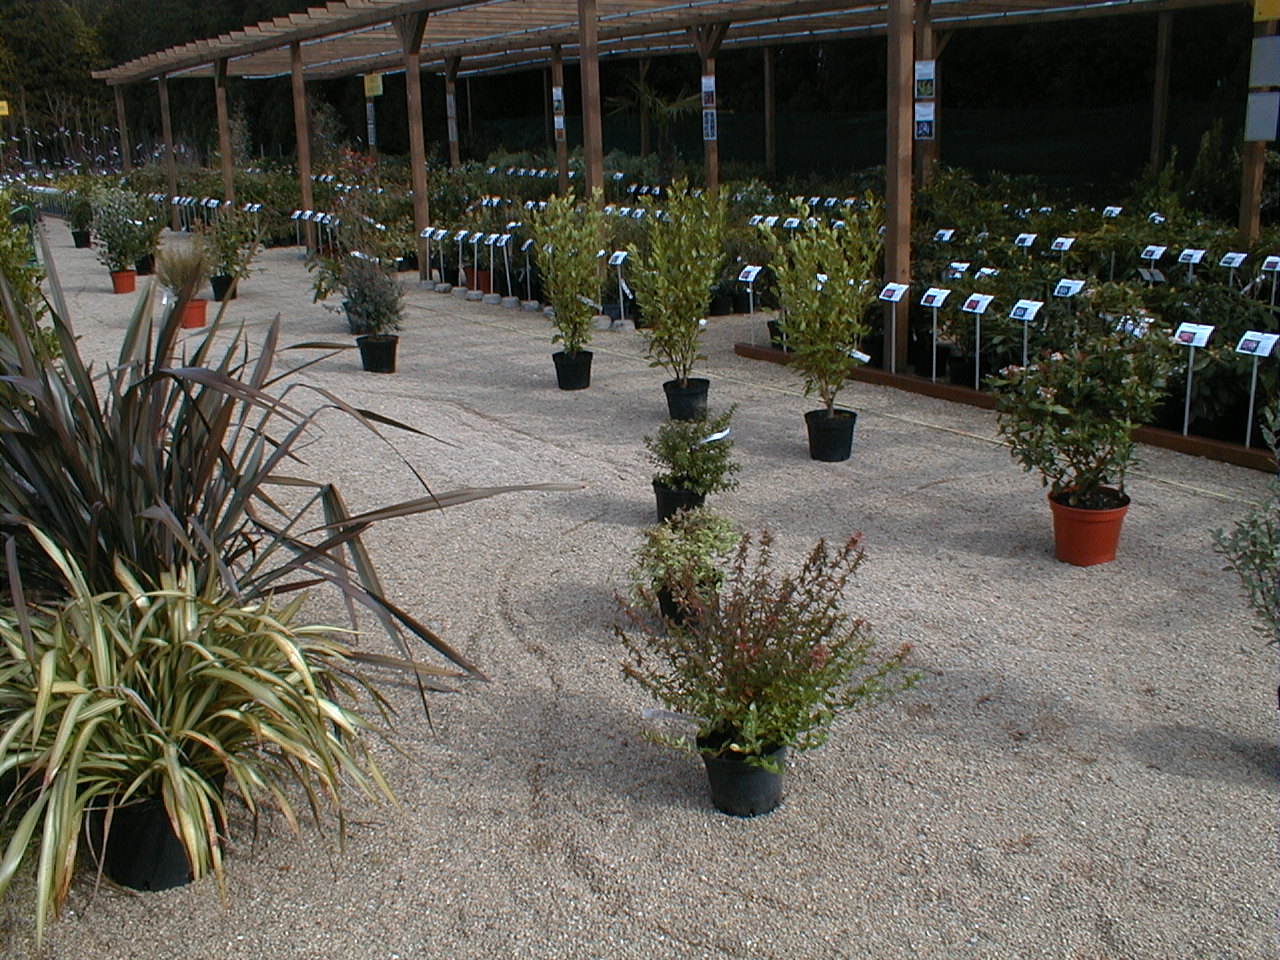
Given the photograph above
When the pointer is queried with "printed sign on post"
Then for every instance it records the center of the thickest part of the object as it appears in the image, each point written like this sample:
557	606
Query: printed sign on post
1112	211
617	258
1191	255
1062	244
749	274
1025	240
1068	288
925	115
1255	343
1232	260
1152	252
1271	265
977	303
944	236
893	292
1026	310
926	77
958	267
934	297
1193	334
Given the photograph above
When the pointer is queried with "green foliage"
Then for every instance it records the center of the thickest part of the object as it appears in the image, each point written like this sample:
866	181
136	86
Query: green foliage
234	241
825	277
1252	547
184	267
693	544
687	460
374	297
568	236
1070	414
112	698
765	659
674	277
120	222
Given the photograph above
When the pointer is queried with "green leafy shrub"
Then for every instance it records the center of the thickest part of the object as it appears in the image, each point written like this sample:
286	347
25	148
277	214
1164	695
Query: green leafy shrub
374	298
568	236
688	458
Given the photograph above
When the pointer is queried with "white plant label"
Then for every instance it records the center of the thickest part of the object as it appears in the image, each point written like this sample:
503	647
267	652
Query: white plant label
426	233
524	247
1271	265
959	267
791	223
935	297
830	202
1232	260
503	240
490	239
637	213
1062	244
1156	217
1068	288
1026	310
1193	334
1112	211
439	234
1025	240
1257	344
1191	255
945	236
860	356
462	235
770	221
617	258
821	281
977	303
754	219
1152	252
713	437
893	292
749	274
988	272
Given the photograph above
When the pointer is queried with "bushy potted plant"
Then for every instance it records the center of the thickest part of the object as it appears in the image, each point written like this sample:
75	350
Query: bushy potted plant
1252	546
184	269
374	301
1070	413
694	459
233	243
673	275
568	235
149	231
764	662
119	219
694	544
80	216
825	280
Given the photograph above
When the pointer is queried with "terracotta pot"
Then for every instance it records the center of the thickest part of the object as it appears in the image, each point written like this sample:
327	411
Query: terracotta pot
1086	537
193	314
124	281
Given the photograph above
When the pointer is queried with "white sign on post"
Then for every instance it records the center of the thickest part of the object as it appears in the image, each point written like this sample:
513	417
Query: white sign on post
944	236
934	297
977	303
1191	255
1025	240
1270	265
1068	288
617	258
749	274
958	268
1026	310
1062	244
1193	334
1255	343
893	292
1112	211
1232	260
988	272
1152	252
754	219
791	223
770	221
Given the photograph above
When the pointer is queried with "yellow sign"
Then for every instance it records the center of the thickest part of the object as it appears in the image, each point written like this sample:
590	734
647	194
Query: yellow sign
373	82
4	108
1264	10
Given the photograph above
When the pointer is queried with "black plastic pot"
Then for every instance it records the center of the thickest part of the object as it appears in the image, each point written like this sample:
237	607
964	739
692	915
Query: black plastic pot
742	789
687	402
141	851
378	352
145	266
406	263
80	238
573	371
671	500
222	287
960	371
830	438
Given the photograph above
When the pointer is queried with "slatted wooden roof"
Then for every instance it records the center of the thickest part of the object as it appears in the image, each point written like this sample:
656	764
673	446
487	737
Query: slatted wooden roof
357	36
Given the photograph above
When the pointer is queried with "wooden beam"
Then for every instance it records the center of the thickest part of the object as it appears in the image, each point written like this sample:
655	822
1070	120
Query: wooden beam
122	123
170	160
224	132
451	108
1252	164
770	116
558	120
926	151
1160	95
410	28
897	241
706	41
302	130
592	121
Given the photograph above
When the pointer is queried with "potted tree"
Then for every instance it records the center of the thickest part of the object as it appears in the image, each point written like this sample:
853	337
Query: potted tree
763	663
80	216
149	230
374	301
1070	414
673	275
184	269
568	236
233	243
693	458
825	277
696	542
119	218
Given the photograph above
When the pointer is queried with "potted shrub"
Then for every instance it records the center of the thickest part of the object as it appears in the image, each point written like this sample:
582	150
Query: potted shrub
1252	547
374	301
233	243
118	218
696	542
673	275
568	236
79	216
1070	413
132	715
763	664
693	458
825	282
149	230
184	269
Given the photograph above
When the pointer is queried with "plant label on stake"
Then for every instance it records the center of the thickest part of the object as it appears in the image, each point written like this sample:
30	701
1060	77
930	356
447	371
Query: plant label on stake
1112	212
945	236
1254	344
1191	256
1232	261
1191	335
748	276
933	298
713	437
1067	288
617	259
891	294
957	269
977	304
1271	265
1025	310
1062	244
1152	252
528	270
754	219
770	221
504	243
1025	240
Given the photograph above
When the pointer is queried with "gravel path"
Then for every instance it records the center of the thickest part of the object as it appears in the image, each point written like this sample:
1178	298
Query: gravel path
1086	769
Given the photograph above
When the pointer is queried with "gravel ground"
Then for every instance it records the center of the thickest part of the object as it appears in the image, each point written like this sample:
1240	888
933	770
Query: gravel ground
1086	769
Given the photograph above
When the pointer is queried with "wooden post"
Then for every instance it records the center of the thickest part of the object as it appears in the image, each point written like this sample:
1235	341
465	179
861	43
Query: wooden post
126	151
451	108
897	241
558	119
170	160
929	47
592	122
707	40
1252	164
770	117
410	28
224	130
302	130
1160	95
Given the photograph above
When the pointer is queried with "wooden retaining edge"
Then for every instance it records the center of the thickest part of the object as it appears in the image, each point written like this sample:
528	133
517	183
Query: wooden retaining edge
1232	453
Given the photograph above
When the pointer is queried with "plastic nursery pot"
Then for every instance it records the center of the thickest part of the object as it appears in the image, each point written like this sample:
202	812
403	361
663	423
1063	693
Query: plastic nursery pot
671	500
742	789
222	287
145	265
830	437
124	281
194	313
80	238
687	401
378	352
573	371
141	851
1086	537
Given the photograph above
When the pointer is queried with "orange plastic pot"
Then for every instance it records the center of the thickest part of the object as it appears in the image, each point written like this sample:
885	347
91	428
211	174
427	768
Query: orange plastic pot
193	314
1086	537
124	281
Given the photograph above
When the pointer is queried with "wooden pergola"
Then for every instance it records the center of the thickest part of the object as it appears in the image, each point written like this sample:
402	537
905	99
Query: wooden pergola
468	37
